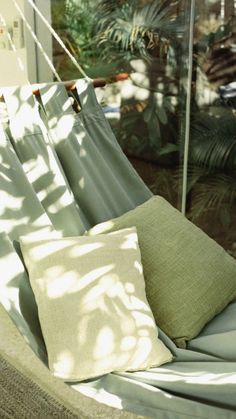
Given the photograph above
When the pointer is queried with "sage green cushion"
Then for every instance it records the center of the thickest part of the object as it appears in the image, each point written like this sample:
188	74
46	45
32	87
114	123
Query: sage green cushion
92	306
189	277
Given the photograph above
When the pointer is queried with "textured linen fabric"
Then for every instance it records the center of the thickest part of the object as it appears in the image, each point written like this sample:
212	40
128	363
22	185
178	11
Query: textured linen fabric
92	305
28	390
189	277
103	181
20	214
200	381
40	162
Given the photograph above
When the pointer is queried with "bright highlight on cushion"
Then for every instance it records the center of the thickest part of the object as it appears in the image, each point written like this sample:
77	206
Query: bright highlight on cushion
93	311
189	277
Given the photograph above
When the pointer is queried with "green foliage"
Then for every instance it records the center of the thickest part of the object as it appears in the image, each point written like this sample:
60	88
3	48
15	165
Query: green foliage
73	20
130	31
213	141
215	194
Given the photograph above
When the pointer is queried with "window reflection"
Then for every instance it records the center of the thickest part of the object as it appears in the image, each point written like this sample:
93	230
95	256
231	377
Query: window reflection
148	40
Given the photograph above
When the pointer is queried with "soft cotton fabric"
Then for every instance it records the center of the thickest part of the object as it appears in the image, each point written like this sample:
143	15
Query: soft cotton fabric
189	277
200	382
48	180
93	311
103	181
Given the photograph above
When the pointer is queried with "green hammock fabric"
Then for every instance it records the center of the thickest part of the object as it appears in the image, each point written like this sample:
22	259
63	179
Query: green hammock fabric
103	181
49	181
40	162
64	175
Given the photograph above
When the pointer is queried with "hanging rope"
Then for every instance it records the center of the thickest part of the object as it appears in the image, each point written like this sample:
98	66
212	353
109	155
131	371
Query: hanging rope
49	61
58	39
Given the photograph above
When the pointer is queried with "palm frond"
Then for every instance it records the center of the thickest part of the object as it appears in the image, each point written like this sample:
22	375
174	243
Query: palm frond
159	15
213	141
136	30
212	194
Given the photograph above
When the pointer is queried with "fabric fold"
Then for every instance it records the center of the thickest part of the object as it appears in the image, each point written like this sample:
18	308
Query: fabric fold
102	179
40	162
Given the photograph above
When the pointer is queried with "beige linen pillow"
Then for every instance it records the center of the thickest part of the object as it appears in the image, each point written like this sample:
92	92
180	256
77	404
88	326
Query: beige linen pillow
189	277
92	306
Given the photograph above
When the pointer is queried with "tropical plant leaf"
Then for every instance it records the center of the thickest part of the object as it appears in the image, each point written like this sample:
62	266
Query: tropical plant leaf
158	15
148	113
213	194
213	141
161	114
128	27
154	132
168	148
225	217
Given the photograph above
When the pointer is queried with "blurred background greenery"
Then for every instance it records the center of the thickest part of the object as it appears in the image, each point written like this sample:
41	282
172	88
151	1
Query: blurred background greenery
148	40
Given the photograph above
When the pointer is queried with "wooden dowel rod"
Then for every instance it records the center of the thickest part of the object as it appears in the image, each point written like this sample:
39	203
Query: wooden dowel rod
71	85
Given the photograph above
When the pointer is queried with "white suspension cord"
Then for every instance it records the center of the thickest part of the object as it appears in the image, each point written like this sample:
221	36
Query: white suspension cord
56	36
49	61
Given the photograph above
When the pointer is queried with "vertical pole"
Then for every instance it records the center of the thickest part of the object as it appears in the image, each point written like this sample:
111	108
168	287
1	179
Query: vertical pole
188	107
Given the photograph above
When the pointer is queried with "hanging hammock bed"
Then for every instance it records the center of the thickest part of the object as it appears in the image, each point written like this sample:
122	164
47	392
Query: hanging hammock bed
113	305
61	173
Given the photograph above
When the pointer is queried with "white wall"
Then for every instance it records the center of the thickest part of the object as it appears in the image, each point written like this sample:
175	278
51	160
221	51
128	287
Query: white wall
13	64
25	64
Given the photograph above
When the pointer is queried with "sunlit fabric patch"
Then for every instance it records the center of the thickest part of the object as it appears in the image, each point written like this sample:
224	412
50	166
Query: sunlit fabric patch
93	311
189	277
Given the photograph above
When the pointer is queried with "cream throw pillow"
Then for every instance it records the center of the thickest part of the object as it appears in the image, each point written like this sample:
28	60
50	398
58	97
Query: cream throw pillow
92	306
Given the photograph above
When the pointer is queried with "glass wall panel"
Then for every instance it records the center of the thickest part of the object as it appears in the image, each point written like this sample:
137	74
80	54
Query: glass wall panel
211	202
149	41
145	40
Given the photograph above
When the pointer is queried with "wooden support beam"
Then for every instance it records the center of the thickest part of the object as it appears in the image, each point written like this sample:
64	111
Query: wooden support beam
71	85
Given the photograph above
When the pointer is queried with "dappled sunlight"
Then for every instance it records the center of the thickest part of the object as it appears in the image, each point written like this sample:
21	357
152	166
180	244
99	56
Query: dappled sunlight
100	350
16	198
82	153
48	94
65	125
70	174
12	201
40	251
34	168
62	126
23	116
84	280
138	266
69	283
129	243
129	288
84	249
99	394
11	266
159	98
128	90
107	285
82	183
143	350
128	343
89	301
64	363
82	88
39	161
101	228
7	225
191	375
